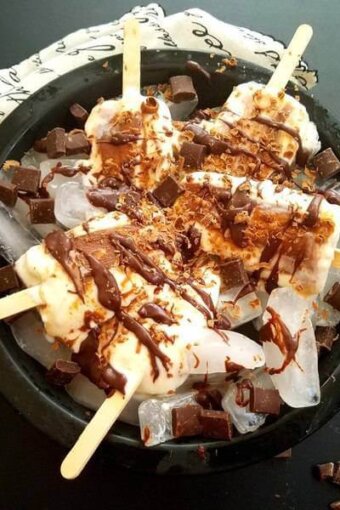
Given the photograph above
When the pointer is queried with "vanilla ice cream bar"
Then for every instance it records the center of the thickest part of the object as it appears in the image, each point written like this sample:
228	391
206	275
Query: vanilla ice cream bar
267	133
284	237
113	296
132	140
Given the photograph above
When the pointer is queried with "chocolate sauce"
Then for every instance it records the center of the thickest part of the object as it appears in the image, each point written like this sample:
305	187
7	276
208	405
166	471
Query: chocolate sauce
62	249
103	197
283	165
120	138
332	196
313	211
300	156
101	374
145	338
108	290
230	366
155	312
271	249
59	169
137	261
277	332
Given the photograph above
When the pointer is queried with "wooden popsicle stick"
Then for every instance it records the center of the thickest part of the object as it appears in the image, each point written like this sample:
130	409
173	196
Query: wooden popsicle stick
98	427
336	260
20	302
131	58
291	57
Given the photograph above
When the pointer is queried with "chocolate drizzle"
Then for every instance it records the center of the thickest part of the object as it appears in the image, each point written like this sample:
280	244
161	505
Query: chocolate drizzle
313	211
276	331
108	290
155	312
96	369
62	249
145	338
59	169
280	126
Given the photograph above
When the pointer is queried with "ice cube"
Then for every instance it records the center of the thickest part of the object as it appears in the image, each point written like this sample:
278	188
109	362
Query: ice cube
59	179
298	382
29	335
87	394
14	239
155	418
71	205
181	111
242	310
33	158
243	419
211	352
326	315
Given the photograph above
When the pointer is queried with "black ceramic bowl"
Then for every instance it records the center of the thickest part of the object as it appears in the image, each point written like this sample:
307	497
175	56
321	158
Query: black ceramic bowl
22	379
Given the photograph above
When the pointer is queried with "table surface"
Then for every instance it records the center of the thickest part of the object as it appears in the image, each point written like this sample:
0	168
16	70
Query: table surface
29	469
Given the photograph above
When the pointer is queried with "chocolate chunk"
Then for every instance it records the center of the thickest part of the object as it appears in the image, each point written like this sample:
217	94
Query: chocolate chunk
324	471
8	279
76	142
41	210
233	274
8	193
40	145
167	192
182	88
62	372
333	296
216	424
336	474
56	143
79	114
193	154
325	337
26	179
209	399
189	243
335	505
196	68
185	421
264	401
332	196
326	163
104	197
287	454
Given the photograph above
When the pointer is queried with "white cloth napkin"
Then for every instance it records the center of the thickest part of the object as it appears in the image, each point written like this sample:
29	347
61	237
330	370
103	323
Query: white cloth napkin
192	29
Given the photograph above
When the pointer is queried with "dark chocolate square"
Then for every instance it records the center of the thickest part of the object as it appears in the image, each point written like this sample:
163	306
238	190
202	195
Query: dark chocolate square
324	471
327	164
62	372
336	474
167	192
233	274
42	210
193	154
333	296
185	421
76	142
264	401
182	88
325	337
216	424
56	143
8	279
26	179
8	193
79	114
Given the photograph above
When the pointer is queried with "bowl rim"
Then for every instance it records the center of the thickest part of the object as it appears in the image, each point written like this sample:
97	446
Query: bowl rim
287	430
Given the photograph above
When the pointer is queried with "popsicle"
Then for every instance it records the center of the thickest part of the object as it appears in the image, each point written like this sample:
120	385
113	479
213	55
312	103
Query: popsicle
265	131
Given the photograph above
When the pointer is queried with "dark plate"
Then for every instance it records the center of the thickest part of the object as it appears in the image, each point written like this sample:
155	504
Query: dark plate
22	379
